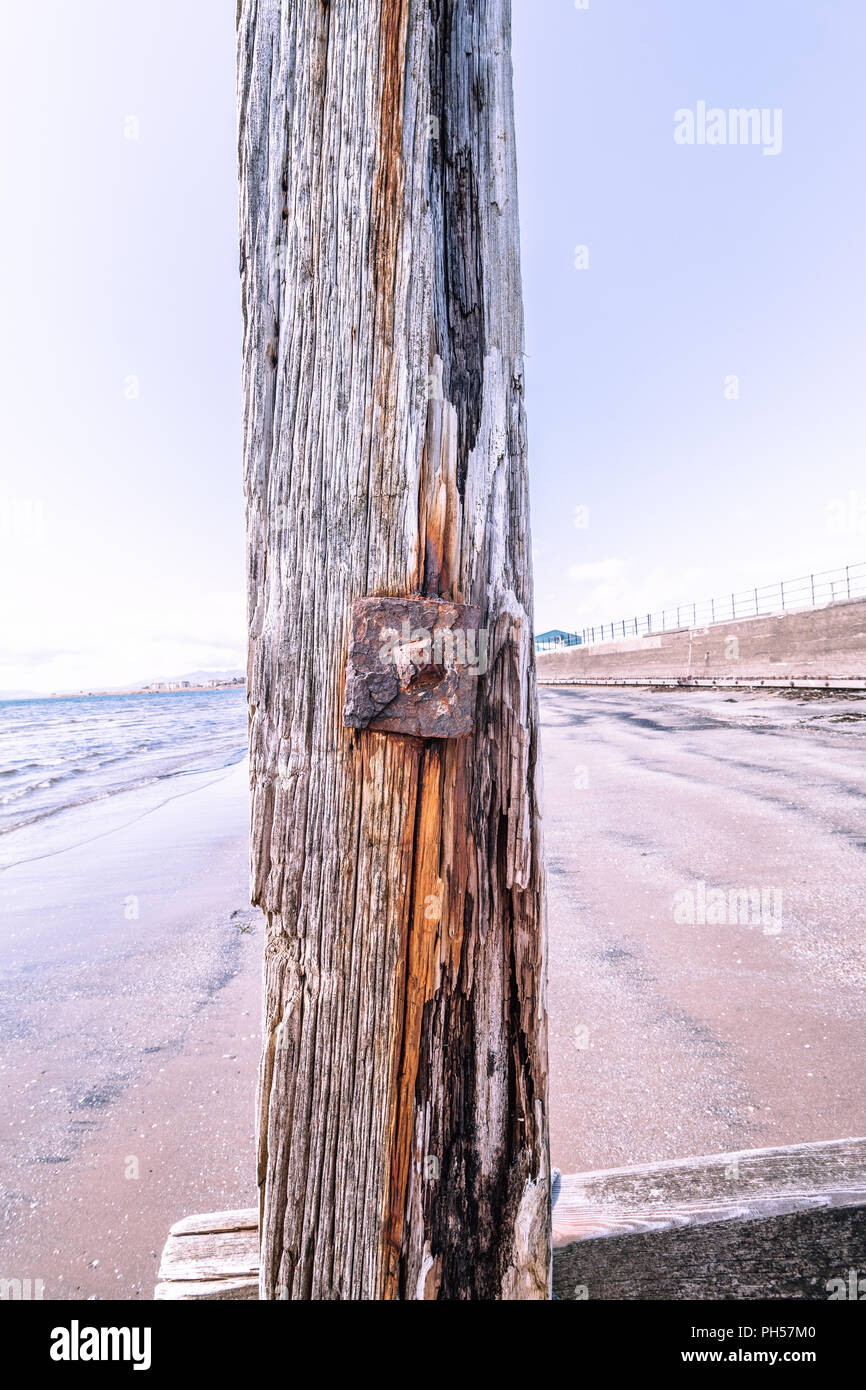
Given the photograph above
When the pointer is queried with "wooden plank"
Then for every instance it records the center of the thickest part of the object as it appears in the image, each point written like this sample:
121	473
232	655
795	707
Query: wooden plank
208	1290
771	1223
216	1221
796	1256
586	1222
211	1255
752	1184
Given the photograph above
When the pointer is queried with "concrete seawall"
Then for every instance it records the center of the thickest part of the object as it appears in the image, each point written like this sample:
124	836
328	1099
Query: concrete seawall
814	644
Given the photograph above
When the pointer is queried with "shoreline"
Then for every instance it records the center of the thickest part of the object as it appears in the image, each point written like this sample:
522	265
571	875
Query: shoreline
130	967
157	688
129	1011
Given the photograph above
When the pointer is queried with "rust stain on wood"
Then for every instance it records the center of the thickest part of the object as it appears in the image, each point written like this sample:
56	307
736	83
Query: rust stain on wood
422	953
443	879
389	181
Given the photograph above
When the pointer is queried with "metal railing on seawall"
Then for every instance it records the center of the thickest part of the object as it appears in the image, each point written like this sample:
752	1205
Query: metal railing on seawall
786	596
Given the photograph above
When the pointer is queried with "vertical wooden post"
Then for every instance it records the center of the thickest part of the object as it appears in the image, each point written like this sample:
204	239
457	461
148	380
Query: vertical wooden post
402	1097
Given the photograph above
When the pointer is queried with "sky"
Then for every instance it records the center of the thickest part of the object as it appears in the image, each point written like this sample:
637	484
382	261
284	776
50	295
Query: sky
696	355
705	263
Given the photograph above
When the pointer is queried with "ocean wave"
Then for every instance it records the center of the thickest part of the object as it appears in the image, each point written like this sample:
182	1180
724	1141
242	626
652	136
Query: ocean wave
63	759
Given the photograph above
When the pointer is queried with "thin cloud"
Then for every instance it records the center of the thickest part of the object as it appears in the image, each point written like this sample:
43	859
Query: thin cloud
598	570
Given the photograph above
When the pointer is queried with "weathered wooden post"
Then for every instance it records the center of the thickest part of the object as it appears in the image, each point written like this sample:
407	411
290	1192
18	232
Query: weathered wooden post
402	1106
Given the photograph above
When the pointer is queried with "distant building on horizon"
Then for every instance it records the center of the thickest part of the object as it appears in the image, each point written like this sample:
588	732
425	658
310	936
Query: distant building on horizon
547	641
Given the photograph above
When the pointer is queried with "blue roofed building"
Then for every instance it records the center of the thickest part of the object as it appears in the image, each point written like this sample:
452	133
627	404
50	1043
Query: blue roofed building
549	641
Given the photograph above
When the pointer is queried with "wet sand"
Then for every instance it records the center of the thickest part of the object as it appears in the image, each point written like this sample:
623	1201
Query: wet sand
129	1012
129	972
669	1040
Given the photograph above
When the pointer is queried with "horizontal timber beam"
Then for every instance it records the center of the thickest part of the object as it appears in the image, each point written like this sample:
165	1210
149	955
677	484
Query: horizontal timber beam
760	1223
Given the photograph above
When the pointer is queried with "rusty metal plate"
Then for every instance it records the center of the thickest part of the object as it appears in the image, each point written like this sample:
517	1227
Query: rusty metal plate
413	666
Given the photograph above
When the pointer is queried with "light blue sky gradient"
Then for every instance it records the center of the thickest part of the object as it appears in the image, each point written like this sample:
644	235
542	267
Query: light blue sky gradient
704	262
121	549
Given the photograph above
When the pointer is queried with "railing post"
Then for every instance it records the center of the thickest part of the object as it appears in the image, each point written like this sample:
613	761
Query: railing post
812	578
782	589
733	605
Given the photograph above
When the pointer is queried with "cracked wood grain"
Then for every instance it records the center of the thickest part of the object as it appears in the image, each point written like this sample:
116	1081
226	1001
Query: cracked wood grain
402	1092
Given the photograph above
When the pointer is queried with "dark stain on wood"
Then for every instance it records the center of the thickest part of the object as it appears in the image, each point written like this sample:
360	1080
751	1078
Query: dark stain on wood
457	102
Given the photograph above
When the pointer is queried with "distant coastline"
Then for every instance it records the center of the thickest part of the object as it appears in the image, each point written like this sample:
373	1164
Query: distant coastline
154	688
193	681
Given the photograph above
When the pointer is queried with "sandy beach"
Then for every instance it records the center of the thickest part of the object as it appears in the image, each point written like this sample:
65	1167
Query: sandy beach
129	988
671	1039
129	972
